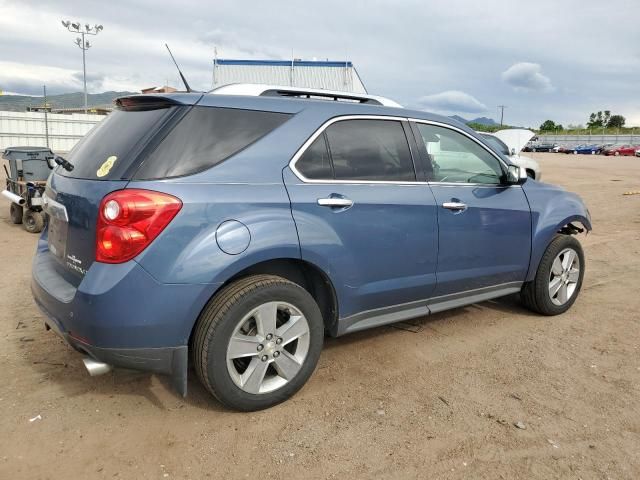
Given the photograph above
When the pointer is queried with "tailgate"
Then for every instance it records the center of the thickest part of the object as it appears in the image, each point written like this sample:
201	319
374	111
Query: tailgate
72	205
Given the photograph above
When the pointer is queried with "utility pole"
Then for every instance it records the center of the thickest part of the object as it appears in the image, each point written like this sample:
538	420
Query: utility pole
84	45
502	107
46	116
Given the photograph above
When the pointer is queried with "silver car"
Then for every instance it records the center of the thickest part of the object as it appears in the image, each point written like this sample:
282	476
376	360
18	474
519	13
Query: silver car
509	142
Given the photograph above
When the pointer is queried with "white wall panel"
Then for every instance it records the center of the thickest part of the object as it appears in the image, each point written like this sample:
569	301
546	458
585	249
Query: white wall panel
28	129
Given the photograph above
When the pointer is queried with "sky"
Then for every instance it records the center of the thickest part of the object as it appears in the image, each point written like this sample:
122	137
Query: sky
548	59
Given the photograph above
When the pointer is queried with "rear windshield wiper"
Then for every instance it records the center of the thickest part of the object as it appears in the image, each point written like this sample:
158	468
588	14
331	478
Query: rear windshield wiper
64	163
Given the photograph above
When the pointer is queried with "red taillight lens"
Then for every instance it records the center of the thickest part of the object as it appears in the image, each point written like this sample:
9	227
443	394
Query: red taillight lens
129	220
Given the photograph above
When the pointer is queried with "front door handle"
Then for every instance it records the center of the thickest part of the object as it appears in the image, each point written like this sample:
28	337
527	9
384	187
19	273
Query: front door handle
455	206
335	202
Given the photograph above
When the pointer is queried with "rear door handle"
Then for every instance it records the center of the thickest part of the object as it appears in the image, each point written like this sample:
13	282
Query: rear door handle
335	202
456	206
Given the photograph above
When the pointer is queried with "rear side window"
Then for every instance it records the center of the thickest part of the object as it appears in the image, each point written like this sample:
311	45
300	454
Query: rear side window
374	150
315	163
205	137
108	150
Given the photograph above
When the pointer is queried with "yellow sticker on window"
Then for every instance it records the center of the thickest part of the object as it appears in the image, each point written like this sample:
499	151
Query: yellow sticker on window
106	166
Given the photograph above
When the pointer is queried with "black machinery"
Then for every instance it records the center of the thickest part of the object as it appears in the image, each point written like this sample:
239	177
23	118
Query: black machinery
29	168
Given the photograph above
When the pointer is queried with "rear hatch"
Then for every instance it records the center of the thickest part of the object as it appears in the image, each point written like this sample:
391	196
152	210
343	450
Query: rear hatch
103	161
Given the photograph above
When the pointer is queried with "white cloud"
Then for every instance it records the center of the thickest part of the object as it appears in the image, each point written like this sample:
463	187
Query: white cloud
28	79
400	59
525	76
453	101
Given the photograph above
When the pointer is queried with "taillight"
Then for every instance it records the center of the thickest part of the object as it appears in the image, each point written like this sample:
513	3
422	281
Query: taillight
129	220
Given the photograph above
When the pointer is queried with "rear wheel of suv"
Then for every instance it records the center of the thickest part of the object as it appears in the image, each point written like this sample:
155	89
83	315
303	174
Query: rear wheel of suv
257	342
33	221
16	212
558	279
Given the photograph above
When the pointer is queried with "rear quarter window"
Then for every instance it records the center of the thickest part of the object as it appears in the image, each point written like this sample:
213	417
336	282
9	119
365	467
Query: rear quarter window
205	137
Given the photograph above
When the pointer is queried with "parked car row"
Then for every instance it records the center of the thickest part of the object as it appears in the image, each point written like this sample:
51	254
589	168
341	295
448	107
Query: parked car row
592	149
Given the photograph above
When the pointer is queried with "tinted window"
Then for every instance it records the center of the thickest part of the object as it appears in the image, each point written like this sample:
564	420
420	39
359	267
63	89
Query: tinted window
370	150
497	144
314	162
118	136
454	157
205	137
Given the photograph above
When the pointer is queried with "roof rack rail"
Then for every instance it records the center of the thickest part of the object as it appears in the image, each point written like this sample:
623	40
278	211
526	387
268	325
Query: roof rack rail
261	90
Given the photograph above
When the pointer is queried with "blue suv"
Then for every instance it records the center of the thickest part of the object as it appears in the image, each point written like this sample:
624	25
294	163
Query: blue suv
233	230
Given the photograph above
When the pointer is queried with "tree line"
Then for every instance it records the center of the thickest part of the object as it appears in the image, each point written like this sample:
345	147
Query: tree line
600	119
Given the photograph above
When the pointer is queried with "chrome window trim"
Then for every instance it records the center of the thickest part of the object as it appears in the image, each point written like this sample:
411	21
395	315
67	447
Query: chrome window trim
331	181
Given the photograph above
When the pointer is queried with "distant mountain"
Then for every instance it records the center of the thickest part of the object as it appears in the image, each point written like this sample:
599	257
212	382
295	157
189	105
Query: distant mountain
484	121
19	103
480	120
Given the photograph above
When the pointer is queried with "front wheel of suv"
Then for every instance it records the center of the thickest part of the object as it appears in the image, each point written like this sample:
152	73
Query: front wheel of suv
257	342
559	278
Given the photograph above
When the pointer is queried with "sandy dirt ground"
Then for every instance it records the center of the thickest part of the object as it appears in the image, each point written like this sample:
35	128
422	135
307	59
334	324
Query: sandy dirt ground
437	399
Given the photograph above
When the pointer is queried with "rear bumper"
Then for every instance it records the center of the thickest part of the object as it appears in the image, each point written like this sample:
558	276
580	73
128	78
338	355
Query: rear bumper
172	361
120	315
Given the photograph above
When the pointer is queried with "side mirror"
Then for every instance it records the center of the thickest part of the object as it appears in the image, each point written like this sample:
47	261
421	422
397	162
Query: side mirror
513	151
516	175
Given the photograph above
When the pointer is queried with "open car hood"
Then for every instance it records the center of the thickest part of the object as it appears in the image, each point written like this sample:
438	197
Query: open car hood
515	138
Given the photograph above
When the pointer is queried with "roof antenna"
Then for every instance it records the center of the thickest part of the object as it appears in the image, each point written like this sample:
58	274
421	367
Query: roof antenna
184	80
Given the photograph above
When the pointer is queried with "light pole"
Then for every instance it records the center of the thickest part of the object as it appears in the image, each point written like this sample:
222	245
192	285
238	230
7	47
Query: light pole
84	46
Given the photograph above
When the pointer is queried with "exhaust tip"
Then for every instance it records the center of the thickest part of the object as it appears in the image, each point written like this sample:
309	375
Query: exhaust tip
95	368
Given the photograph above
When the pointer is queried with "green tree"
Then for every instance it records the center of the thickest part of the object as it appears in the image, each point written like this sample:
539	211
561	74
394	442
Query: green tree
548	126
616	121
607	116
595	120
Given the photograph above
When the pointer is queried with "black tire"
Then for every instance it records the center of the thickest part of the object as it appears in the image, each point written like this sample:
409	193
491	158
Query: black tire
33	221
217	323
535	294
16	211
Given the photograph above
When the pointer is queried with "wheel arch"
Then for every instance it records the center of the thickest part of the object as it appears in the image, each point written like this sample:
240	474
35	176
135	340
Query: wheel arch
544	236
309	276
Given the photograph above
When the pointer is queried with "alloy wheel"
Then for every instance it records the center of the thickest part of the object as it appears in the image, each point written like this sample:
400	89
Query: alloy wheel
268	347
564	276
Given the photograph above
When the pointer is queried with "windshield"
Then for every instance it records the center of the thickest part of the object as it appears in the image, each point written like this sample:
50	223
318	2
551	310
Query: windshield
109	149
497	144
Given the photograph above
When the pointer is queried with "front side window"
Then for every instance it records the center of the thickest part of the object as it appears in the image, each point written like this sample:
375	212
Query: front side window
497	144
370	150
454	157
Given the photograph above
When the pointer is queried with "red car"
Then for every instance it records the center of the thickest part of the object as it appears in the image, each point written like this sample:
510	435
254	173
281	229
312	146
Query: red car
622	150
